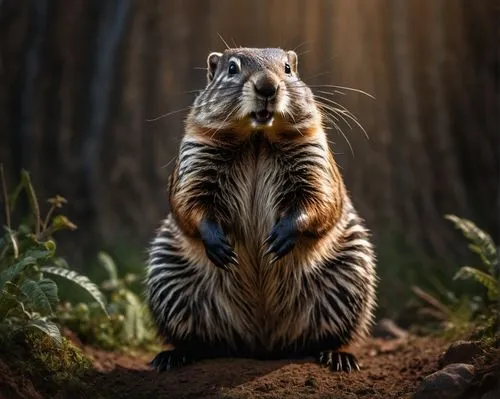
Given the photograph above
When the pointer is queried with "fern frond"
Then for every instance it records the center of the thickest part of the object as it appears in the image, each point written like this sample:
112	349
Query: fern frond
481	242
48	327
483	278
80	280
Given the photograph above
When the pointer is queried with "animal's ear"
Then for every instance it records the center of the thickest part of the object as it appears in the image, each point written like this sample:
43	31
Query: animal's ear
293	60
212	62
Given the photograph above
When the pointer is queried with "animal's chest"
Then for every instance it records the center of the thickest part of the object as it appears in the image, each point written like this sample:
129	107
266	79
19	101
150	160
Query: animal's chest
253	192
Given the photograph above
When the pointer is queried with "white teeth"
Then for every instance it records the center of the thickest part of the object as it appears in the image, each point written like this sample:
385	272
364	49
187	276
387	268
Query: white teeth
257	122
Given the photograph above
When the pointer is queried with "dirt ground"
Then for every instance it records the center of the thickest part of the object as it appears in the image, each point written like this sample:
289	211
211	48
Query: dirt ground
389	369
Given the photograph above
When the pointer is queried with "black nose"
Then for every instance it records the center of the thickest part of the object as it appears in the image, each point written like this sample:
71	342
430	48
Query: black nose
266	87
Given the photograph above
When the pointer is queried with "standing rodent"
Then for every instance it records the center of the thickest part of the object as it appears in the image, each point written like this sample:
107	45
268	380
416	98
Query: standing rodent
263	254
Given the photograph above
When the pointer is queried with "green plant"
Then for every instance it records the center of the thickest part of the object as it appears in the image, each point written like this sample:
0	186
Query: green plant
28	299
445	311
461	314
128	325
482	244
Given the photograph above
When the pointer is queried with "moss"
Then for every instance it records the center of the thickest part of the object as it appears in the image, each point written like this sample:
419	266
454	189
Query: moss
53	368
64	363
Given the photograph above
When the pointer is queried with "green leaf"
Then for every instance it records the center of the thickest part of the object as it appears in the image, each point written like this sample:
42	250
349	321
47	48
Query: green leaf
39	253
108	263
134	322
80	280
14	196
12	272
48	328
7	303
483	278
36	295
49	288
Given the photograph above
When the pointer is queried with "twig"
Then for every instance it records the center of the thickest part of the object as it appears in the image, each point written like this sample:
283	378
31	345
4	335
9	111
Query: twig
47	218
33	200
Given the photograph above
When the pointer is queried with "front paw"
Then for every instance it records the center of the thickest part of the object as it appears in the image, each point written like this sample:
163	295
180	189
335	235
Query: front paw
282	238
218	250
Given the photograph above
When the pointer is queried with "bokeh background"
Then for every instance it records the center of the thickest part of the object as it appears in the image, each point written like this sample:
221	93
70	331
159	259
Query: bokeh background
81	80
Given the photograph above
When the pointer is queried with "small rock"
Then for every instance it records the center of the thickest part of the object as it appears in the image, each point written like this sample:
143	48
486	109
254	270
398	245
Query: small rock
448	383
460	352
310	382
386	328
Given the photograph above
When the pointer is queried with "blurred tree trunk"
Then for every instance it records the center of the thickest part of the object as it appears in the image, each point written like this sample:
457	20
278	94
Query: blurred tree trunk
81	81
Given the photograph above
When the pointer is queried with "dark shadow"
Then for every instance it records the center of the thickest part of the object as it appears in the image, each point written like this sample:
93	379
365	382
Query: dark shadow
201	380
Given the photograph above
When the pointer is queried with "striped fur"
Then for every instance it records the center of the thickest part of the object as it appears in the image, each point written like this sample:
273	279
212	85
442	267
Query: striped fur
320	296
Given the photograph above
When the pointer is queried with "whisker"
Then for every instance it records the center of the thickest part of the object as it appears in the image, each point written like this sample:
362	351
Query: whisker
317	75
302	84
339	109
219	89
344	111
301	45
331	93
338	129
344	88
336	113
210	101
339	112
169	162
329	100
223	41
327	108
225	119
301	53
167	114
289	112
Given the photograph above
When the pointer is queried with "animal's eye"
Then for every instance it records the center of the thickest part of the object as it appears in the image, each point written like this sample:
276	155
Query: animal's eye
287	68
233	68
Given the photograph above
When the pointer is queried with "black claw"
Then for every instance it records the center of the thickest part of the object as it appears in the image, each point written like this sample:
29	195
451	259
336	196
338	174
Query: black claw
270	238
234	260
218	250
282	238
339	361
168	360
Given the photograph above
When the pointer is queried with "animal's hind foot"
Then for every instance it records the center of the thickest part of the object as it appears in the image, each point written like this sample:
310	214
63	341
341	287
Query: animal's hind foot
339	361
168	360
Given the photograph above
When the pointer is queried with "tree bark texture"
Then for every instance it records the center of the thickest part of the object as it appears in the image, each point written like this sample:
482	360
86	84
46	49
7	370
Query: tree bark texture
81	82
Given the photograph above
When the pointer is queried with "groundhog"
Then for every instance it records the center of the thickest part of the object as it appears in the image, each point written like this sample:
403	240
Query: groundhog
262	254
